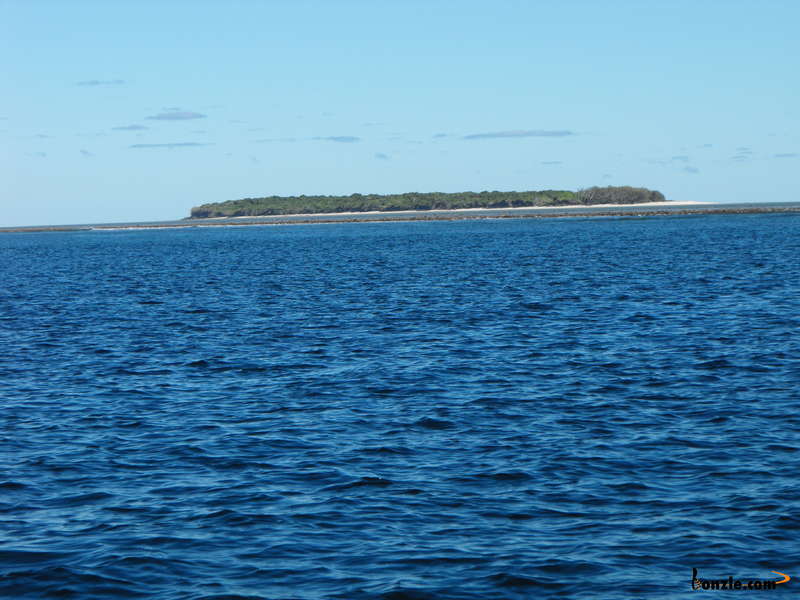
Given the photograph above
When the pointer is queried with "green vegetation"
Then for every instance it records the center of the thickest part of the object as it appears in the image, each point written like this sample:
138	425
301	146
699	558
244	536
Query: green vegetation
285	205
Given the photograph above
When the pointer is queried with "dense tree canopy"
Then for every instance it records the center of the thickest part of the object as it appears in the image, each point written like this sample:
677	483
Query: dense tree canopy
618	195
284	205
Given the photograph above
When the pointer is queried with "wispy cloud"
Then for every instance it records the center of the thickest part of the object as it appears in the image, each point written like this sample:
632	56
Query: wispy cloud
86	154
341	139
130	128
101	82
177	115
519	133
381	156
786	155
170	145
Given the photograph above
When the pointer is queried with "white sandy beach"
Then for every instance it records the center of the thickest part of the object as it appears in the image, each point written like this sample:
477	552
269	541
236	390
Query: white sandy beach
468	210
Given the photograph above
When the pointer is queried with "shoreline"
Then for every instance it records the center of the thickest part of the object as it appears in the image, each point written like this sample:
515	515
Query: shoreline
655	209
457	210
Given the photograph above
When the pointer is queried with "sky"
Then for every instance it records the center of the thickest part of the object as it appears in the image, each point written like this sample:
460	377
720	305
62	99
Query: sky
138	110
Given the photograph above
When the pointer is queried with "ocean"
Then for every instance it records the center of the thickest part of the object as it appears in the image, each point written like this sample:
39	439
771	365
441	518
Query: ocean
495	409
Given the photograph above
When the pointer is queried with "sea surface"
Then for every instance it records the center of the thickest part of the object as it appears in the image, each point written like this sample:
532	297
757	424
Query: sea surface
495	409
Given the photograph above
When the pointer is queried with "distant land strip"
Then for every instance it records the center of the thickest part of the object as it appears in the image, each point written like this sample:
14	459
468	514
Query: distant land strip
292	205
454	216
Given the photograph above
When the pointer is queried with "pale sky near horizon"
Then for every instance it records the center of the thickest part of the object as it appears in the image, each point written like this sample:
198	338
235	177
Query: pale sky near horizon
137	111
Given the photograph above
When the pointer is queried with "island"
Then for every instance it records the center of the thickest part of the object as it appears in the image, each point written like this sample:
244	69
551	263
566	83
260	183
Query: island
357	203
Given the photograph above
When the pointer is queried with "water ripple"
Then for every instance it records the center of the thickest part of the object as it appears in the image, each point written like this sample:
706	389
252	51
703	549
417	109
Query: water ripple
511	409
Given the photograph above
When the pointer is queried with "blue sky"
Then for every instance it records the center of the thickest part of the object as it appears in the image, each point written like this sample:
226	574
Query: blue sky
136	111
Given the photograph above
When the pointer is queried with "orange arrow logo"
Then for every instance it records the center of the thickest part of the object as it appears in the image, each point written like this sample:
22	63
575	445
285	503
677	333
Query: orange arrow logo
785	577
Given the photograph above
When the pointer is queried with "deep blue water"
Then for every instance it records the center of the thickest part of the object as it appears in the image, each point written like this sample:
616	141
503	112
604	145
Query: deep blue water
578	408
